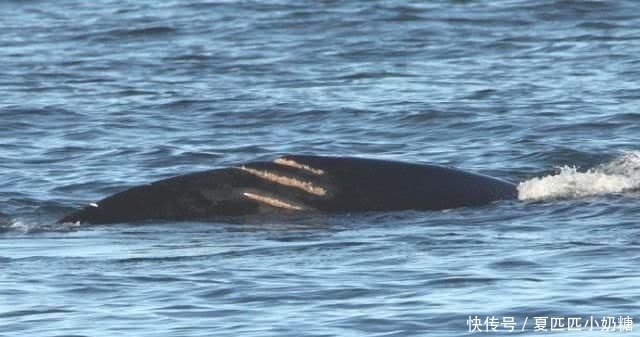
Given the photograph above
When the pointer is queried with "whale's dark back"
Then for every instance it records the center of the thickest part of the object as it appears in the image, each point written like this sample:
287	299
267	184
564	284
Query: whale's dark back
299	183
369	184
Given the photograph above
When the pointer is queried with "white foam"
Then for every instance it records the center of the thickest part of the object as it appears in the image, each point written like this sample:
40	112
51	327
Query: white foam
18	226
15	225
619	175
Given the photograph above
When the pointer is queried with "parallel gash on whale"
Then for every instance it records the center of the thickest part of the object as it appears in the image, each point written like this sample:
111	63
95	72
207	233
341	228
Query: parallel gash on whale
299	183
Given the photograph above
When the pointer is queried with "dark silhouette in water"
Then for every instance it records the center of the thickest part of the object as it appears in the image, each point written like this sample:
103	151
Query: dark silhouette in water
299	184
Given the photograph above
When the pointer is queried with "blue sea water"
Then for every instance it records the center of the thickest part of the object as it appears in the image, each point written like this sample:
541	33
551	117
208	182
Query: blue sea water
98	96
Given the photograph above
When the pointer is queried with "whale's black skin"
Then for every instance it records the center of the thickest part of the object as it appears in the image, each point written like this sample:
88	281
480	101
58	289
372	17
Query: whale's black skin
298	183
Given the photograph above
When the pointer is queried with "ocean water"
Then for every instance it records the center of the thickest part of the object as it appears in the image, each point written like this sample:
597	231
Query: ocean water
98	96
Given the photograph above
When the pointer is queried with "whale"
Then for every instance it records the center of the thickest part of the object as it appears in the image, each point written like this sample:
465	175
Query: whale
298	183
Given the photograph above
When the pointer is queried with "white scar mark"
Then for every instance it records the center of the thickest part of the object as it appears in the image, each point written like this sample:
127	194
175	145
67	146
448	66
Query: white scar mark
272	201
294	164
287	181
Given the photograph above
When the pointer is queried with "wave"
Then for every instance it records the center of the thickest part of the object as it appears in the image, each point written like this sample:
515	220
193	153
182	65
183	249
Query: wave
619	175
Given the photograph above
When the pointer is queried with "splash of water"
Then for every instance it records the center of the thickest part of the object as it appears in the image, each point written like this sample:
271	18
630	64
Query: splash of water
619	175
15	225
